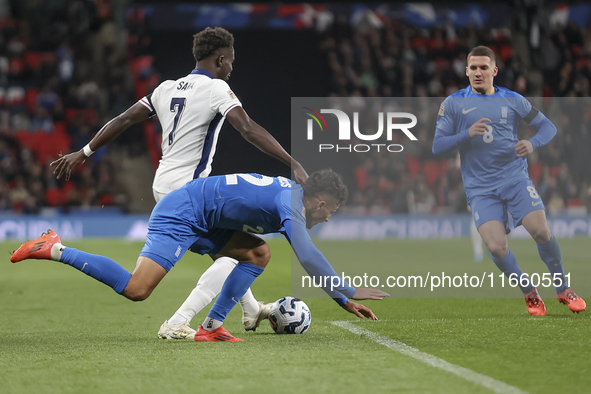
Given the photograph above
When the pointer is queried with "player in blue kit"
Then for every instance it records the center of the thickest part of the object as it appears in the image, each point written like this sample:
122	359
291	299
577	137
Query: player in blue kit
216	216
481	121
191	111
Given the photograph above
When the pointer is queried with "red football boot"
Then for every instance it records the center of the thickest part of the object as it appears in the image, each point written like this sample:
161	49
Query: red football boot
535	305
570	298
38	249
218	335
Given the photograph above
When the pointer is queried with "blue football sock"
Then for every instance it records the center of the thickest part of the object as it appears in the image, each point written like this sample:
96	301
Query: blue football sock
100	268
508	265
550	253
239	280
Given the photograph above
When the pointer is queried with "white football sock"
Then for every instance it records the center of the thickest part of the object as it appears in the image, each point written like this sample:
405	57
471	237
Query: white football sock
209	286
248	303
211	324
56	251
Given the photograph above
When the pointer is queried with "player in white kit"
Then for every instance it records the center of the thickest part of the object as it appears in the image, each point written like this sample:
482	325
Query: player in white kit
191	111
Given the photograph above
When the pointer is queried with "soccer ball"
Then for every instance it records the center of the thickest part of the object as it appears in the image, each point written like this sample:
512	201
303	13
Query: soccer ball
290	315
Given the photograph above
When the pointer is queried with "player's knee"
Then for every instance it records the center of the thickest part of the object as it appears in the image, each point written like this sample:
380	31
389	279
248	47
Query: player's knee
542	235
498	248
261	255
136	293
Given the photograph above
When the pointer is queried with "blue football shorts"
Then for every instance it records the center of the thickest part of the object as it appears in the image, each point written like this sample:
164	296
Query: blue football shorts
174	227
517	198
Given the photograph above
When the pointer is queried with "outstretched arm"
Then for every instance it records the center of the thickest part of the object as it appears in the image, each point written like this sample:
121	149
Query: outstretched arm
318	267
135	114
262	139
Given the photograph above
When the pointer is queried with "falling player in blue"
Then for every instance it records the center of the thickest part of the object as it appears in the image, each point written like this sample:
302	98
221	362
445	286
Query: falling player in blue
481	121
216	216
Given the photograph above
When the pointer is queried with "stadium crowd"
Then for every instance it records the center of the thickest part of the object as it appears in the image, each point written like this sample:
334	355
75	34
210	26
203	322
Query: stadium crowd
65	71
62	75
384	58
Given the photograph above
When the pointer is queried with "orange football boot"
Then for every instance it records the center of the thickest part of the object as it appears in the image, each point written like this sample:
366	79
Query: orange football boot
535	305
38	249
218	335
570	298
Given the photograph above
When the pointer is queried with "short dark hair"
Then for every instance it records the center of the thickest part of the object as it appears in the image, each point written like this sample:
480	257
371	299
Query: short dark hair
326	182
207	41
482	51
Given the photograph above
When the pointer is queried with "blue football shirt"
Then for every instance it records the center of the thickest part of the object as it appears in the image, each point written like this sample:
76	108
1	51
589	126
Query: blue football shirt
261	204
487	161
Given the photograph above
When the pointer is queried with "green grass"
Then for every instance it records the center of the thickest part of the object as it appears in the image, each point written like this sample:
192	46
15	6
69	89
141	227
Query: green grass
62	332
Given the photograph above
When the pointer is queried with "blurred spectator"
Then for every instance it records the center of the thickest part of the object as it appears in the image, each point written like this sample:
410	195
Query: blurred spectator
19	195
555	204
423	199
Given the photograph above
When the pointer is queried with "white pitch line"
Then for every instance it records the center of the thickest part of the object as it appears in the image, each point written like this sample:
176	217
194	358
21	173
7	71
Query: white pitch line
495	385
527	318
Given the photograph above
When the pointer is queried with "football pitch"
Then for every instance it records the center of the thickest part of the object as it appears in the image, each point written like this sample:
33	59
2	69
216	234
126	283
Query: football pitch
63	332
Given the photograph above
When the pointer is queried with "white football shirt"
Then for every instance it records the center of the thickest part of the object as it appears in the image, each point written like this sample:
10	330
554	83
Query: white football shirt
191	111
